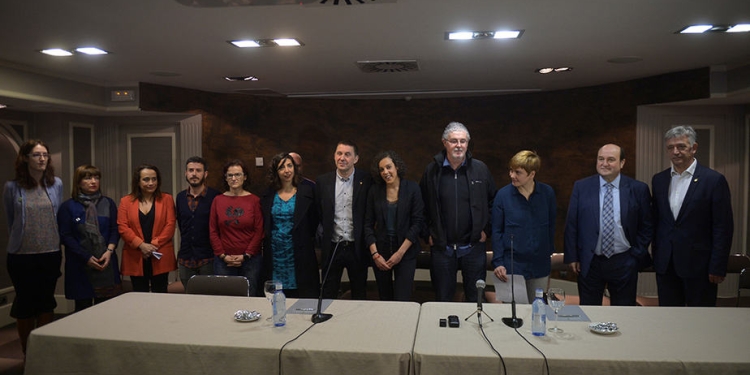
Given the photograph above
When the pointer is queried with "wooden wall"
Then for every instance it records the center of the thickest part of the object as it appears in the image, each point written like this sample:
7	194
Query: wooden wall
565	128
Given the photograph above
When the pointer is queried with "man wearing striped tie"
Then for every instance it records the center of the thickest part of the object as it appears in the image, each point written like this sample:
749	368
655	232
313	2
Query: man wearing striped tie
608	230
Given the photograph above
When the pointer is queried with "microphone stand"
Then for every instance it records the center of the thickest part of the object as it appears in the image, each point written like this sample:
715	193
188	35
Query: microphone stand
513	321
480	292
319	317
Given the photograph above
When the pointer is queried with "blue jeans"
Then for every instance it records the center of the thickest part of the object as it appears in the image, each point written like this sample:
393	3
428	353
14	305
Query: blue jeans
250	269
473	267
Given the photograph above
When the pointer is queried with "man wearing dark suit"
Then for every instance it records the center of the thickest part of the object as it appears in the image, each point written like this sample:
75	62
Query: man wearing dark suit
341	198
608	230
694	225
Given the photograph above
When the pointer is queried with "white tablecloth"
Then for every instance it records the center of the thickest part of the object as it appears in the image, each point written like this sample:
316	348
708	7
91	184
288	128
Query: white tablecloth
651	340
142	333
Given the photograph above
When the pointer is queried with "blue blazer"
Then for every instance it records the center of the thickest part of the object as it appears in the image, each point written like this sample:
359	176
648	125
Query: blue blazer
699	240
582	223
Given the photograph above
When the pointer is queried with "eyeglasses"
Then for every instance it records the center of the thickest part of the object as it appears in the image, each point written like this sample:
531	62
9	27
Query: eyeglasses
39	155
458	141
232	176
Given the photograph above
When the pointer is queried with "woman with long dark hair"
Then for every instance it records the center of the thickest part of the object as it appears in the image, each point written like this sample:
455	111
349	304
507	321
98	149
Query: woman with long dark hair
88	229
31	203
393	222
290	220
146	221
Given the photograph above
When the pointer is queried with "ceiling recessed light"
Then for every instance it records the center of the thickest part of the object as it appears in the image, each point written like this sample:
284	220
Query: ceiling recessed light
244	43
508	34
283	42
740	28
241	78
695	29
287	42
460	35
56	52
554	70
500	34
91	51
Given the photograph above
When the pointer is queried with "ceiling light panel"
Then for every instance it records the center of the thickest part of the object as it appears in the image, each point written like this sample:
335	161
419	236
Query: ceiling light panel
91	51
244	43
469	35
700	29
695	29
281	42
56	52
740	28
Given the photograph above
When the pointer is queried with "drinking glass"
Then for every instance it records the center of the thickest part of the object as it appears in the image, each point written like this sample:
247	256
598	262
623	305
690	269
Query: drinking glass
269	288
556	300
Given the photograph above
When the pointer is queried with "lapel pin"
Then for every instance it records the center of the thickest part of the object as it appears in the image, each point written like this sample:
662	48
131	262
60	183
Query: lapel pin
696	180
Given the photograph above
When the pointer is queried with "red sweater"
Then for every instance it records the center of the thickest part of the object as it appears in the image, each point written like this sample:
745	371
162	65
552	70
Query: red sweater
236	225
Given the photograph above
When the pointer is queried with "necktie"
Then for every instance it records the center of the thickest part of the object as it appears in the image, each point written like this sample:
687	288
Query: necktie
608	223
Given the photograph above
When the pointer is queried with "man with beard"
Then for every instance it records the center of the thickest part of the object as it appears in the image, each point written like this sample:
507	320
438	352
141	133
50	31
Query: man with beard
193	205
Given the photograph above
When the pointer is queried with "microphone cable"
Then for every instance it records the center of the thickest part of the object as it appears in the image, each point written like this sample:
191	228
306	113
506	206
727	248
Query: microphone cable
292	340
546	364
502	360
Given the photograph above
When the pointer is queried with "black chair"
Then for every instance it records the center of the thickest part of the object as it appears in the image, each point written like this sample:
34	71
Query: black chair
218	285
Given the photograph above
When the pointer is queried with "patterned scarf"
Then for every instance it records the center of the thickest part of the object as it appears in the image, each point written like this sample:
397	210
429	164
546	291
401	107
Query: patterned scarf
92	240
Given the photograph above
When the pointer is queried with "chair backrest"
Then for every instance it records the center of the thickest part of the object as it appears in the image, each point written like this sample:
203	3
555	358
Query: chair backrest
218	285
744	283
737	262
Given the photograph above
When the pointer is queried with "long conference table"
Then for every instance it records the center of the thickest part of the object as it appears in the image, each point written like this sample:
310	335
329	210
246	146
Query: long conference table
141	333
144	333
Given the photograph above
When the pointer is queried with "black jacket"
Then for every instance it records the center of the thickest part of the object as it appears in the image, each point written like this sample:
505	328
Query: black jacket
482	192
409	217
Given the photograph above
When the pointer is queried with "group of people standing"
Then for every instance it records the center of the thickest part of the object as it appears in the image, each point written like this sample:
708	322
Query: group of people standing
360	219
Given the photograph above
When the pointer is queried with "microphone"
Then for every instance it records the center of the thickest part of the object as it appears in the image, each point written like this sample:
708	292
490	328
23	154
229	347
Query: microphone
319	317
513	321
480	292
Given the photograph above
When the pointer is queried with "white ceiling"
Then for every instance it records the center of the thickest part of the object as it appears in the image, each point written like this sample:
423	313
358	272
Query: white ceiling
147	38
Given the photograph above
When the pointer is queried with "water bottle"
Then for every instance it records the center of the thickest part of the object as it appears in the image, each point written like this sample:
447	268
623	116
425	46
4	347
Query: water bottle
279	307
538	314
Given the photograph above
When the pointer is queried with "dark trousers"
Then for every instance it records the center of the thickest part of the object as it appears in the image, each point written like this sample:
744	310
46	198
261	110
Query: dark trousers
618	274
397	283
473	267
356	269
690	291
150	282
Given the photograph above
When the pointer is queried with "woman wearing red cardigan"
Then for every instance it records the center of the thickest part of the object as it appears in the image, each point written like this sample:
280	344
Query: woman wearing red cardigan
146	221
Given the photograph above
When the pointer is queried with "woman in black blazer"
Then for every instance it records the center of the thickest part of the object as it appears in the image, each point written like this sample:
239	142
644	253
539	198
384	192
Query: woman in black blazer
392	225
290	221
